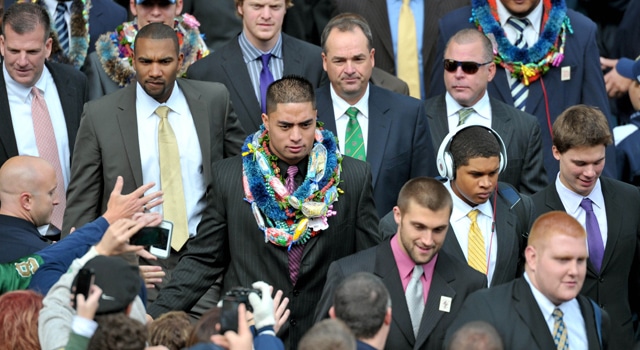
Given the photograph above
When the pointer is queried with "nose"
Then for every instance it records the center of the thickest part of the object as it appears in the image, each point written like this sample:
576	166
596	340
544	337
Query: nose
22	59
459	74
485	182
156	10
154	70
265	13
349	67
427	238
589	171
295	135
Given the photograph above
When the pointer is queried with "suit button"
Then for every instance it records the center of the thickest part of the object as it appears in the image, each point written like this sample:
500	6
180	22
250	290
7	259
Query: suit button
601	280
293	322
296	292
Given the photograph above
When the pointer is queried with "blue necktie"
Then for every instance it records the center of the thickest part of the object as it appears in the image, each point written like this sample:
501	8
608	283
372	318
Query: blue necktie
519	91
266	78
61	27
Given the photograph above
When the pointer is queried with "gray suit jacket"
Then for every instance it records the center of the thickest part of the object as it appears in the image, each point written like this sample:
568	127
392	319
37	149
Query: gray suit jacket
375	12
100	83
520	133
398	146
230	242
450	279
617	286
388	81
227	66
108	145
514	312
72	90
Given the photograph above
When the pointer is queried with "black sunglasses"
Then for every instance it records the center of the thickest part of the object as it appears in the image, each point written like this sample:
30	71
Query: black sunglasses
467	66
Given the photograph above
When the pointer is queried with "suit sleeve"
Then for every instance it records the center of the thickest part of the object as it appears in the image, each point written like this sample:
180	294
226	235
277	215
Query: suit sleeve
84	194
533	175
437	72
335	275
367	234
422	161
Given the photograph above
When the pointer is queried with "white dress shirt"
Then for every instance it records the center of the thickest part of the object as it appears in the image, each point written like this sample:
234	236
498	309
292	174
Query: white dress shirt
340	107
191	165
20	105
481	112
460	223
572	317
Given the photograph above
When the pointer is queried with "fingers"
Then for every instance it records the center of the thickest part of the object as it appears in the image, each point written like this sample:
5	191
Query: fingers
263	287
146	255
607	62
117	189
139	192
151	275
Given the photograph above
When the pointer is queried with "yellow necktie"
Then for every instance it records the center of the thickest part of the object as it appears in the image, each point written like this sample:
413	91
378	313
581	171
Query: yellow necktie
174	207
477	253
407	59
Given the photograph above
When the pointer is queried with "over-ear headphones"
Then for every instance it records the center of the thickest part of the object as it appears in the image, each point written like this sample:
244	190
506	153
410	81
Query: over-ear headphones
444	159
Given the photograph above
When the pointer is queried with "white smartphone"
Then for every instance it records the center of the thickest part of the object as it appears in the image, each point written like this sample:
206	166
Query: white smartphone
157	238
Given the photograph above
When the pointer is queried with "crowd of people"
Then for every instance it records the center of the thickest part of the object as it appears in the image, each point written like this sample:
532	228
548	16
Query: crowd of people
398	174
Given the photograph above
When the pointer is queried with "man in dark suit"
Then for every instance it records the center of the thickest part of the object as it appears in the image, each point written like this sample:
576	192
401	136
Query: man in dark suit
121	135
442	282
576	79
542	310
394	134
218	20
239	64
25	45
259	226
607	208
467	91
376	12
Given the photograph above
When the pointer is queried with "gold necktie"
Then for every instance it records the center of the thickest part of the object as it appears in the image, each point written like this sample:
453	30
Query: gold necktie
477	253
560	332
174	207
407	59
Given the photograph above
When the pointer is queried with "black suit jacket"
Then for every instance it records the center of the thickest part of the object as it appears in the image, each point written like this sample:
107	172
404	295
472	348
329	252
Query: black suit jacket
398	146
520	133
376	14
227	66
72	90
615	288
450	279
230	242
512	309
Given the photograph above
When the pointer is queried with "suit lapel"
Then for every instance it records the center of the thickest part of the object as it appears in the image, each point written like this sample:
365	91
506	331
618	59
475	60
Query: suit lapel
7	136
200	115
589	321
501	121
438	122
452	246
127	121
325	109
614	213
506	239
529	312
67	94
379	125
237	73
499	87
293	60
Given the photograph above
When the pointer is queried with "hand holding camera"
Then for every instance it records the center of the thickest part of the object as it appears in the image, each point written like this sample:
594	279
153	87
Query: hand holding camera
262	305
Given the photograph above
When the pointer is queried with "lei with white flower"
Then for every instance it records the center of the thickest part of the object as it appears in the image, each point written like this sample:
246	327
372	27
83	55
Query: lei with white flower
291	218
79	34
527	65
115	49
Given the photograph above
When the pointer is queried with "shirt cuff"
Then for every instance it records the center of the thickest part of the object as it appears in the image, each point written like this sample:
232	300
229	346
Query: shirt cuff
84	327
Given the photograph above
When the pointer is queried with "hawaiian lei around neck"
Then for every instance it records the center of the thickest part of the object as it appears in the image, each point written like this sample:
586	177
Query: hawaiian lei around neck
115	49
79	34
529	64
291	218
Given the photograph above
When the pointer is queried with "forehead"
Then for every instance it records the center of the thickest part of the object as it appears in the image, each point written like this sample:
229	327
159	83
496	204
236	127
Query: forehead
352	39
262	2
36	33
419	214
562	245
155	47
586	153
481	164
471	51
294	112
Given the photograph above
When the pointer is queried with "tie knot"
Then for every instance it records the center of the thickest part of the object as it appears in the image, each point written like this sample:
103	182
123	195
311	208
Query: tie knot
265	59
463	115
162	112
518	24
352	112
292	171
417	272
61	7
473	215
586	204
557	314
35	91
405	2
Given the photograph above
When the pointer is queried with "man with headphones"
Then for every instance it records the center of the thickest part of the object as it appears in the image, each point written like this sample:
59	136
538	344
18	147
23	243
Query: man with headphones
490	220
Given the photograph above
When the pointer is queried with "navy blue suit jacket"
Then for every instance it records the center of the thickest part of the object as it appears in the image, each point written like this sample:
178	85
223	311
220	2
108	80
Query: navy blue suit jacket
585	86
399	141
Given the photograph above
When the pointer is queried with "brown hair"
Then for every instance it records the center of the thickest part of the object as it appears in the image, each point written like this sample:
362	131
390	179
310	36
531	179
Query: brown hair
329	334
581	126
426	192
19	312
171	330
347	22
205	327
118	332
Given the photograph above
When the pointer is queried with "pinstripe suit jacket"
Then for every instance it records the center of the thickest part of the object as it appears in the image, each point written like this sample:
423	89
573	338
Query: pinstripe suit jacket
230	242
375	12
520	133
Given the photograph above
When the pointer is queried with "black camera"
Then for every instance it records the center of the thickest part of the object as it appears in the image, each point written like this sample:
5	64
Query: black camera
230	302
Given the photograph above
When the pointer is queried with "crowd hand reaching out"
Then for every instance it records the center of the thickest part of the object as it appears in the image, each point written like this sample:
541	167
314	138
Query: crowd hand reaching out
281	313
116	240
616	85
243	340
87	308
152	275
125	206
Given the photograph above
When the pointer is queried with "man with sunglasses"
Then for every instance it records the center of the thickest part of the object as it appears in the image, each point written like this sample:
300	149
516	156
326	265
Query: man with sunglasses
469	67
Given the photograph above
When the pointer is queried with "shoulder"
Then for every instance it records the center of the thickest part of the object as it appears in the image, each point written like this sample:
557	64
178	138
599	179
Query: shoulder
467	276
65	70
363	260
580	22
231	166
308	48
109	102
462	13
353	169
620	188
205	87
501	107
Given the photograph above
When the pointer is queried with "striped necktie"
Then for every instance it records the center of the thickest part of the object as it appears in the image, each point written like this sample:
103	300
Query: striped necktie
519	91
61	26
477	254
560	333
464	114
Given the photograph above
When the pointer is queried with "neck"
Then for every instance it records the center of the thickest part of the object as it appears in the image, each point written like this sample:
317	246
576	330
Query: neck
377	341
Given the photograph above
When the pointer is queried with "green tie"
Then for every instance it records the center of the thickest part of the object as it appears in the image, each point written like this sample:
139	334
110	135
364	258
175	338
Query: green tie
174	207
464	114
354	143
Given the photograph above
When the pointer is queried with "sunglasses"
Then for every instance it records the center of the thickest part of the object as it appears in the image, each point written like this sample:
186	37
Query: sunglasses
467	66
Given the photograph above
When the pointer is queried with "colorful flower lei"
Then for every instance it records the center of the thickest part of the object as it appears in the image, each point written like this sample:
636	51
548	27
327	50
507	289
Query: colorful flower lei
115	49
529	64
291	218
79	34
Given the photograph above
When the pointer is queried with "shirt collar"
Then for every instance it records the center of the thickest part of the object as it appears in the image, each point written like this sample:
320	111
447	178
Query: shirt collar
406	264
22	91
546	306
147	105
571	200
535	17
251	53
461	208
340	105
481	108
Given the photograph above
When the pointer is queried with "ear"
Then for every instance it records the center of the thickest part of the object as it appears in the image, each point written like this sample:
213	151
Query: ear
179	5
265	121
180	59
26	200
530	255
372	54
397	215
47	46
332	313
324	61
492	71
387	317
132	8
2	45
556	153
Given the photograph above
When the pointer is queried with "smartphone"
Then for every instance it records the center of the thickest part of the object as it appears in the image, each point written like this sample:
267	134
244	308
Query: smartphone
84	280
157	238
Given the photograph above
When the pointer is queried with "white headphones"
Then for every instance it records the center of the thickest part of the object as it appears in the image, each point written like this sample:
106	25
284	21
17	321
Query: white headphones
444	159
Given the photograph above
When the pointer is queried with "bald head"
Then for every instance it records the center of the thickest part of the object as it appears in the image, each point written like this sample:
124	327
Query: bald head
27	189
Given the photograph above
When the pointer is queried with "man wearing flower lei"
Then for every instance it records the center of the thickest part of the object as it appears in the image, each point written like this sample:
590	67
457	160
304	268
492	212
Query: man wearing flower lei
109	68
546	56
85	21
281	212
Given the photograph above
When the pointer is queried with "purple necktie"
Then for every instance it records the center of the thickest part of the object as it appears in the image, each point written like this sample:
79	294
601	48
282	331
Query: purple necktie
266	78
295	253
596	248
